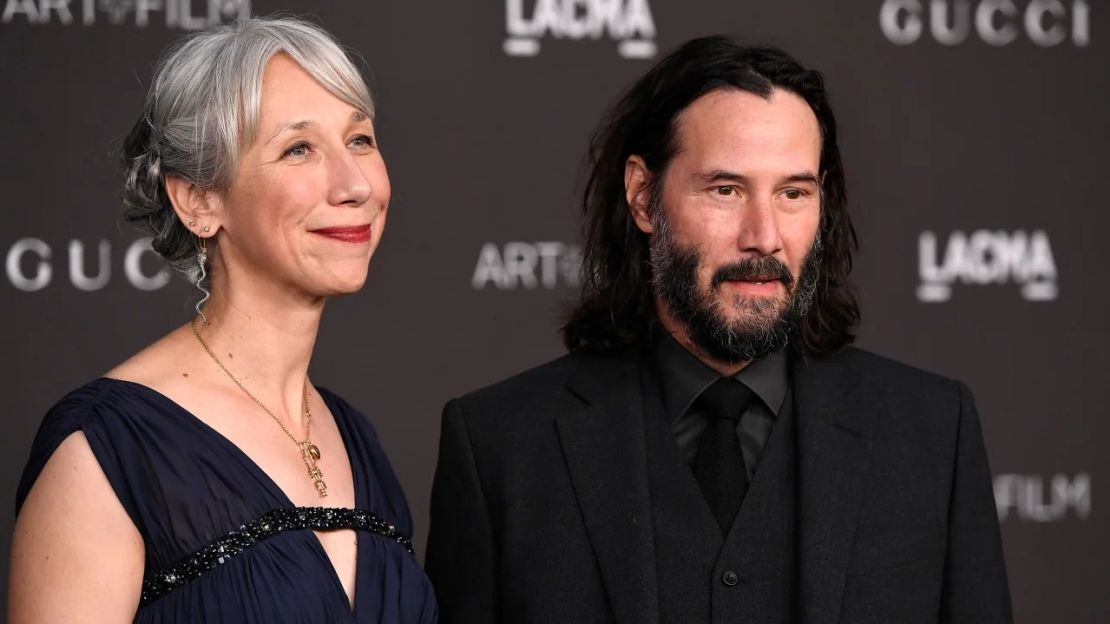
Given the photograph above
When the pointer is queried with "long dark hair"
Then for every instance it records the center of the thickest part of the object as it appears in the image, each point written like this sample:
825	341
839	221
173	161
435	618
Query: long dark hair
616	309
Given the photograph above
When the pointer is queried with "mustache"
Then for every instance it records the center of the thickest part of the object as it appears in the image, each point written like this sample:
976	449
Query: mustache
763	269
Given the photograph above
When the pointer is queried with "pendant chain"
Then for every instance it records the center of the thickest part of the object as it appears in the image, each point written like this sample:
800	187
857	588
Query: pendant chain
310	453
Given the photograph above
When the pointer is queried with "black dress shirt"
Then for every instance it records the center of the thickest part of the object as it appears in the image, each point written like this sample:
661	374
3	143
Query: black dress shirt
682	377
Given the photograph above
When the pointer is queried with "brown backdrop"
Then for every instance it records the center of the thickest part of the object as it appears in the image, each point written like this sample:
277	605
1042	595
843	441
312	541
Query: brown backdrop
974	135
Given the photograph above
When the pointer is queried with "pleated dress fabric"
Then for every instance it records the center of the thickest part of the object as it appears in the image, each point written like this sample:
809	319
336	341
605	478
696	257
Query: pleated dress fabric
186	486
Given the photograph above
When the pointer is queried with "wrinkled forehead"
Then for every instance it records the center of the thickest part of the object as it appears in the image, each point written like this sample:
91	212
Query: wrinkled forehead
742	128
289	80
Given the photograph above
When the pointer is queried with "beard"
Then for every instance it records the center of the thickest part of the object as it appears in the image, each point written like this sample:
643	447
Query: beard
759	326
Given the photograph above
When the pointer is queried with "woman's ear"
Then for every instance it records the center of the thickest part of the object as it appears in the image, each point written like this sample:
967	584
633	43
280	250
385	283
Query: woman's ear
199	209
637	192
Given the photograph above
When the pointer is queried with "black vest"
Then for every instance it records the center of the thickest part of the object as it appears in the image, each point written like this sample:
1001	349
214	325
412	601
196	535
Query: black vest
745	577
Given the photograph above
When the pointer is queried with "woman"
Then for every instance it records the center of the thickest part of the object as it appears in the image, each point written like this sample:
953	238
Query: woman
206	479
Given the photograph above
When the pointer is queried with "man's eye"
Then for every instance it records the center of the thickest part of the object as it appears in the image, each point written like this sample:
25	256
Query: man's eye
794	194
297	150
726	191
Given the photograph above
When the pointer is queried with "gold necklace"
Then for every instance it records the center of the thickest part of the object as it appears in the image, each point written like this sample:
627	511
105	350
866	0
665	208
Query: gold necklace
310	453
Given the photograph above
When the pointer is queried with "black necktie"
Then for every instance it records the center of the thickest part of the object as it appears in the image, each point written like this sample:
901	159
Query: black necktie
719	465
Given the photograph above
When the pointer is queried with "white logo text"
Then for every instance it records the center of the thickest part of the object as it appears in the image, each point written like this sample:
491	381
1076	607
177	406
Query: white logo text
628	21
29	265
546	265
1029	497
179	14
1046	23
987	257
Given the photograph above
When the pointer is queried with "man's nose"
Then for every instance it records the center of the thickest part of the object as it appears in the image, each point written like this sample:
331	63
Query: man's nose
759	232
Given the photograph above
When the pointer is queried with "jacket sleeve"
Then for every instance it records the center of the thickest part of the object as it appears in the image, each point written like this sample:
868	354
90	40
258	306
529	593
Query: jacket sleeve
975	586
460	559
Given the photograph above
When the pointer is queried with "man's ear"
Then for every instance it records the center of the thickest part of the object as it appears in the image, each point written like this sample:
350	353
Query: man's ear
637	192
199	209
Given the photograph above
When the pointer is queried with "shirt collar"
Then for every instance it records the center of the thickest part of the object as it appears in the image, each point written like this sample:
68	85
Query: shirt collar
682	377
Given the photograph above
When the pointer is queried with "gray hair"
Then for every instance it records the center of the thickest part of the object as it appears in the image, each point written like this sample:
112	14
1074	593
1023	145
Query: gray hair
202	110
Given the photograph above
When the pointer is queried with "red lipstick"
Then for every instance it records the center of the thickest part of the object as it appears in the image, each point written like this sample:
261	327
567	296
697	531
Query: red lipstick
351	234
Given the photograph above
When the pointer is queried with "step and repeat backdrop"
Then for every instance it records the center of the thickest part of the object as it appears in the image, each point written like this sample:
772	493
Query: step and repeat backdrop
975	135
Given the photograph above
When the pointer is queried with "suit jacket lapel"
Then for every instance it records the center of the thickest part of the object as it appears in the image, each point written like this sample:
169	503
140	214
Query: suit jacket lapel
604	448
834	449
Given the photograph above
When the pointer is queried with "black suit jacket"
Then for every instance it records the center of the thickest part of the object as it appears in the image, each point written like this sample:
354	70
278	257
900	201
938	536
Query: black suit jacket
540	508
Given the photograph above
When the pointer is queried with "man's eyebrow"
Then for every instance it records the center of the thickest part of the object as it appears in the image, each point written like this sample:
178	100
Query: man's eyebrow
723	175
803	177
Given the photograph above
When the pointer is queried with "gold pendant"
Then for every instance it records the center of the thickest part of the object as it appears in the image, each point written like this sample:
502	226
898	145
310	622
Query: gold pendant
312	450
311	454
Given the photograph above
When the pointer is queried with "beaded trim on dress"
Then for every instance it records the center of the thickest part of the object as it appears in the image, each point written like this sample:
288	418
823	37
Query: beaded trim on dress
159	583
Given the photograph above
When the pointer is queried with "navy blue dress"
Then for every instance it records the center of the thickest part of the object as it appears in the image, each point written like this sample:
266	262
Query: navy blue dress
223	543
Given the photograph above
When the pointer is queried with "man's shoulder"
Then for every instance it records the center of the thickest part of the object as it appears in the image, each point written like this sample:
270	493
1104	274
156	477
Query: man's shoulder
544	388
894	382
884	369
549	389
553	377
547	378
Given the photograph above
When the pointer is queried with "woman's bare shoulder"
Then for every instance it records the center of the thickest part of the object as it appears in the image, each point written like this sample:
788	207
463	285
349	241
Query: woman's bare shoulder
74	546
159	365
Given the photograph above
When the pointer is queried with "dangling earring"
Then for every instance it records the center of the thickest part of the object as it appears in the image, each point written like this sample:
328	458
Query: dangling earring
202	259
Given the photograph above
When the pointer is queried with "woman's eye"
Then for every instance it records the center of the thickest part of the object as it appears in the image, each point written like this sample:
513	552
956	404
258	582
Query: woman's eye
297	150
362	141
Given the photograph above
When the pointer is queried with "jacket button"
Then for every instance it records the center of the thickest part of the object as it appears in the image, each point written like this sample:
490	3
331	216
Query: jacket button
730	579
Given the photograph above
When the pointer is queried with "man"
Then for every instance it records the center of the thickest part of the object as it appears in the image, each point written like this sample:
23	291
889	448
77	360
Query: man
712	450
